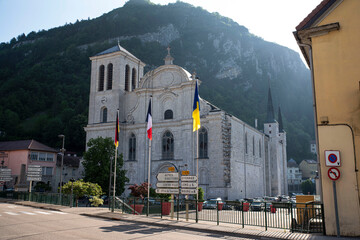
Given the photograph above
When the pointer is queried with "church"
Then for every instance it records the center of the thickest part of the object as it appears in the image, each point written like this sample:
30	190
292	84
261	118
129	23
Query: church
235	160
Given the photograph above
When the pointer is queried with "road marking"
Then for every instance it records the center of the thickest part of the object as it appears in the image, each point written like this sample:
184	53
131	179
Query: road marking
11	213
58	212
29	213
45	213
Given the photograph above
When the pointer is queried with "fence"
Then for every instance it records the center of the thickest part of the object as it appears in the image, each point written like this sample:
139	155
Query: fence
295	217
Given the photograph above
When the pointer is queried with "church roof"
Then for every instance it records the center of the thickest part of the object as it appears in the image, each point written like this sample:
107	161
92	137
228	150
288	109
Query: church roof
270	109
292	163
116	48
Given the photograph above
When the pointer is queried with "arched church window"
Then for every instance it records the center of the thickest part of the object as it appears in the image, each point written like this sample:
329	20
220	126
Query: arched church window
259	148
133	79
246	143
168	114
132	147
104	115
127	78
203	143
109	76
253	143
168	145
101	78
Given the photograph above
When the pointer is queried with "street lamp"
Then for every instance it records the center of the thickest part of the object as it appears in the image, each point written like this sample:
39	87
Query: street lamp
62	163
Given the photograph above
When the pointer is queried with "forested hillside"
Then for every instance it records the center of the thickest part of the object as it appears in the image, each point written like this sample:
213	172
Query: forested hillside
45	76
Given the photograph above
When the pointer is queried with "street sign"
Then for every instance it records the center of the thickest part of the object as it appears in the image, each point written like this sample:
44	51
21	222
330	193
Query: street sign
188	191
5	179
187	172
334	173
188	185
5	174
167	190
188	178
5	169
34	169
33	178
167	184
34	166
332	158
168	177
171	169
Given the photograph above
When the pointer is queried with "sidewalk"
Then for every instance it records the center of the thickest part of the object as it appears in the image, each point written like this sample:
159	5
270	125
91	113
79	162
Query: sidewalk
203	226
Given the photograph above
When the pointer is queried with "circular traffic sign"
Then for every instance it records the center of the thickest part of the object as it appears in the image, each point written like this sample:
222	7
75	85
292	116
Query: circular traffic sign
332	158
334	173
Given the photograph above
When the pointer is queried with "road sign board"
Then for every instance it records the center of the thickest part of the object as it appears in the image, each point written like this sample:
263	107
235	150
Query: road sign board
167	184
33	178
188	178
33	175
6	179
171	169
168	177
332	158
5	169
34	166
334	173
167	190
34	169
185	173
5	173
188	191
188	185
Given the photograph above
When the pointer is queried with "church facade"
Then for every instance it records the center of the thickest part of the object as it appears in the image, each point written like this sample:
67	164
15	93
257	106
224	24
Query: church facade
235	160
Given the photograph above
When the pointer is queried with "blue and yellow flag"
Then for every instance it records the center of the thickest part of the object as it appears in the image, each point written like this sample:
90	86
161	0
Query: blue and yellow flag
196	109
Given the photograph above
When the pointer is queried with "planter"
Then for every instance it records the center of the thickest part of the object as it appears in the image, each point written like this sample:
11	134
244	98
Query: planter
200	206
165	208
138	208
272	209
220	206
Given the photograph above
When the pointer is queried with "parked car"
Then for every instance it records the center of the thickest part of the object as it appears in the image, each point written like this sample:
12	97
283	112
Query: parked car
257	206
212	203
228	206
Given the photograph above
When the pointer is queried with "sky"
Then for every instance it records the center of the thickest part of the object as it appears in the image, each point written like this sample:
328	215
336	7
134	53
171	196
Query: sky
272	20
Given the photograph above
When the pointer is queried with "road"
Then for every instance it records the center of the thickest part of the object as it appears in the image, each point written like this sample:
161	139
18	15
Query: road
22	222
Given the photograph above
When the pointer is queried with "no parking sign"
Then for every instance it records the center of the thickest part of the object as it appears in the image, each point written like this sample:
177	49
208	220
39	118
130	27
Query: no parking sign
332	158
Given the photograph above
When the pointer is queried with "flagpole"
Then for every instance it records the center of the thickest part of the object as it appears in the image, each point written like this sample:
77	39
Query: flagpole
149	120
114	180
149	172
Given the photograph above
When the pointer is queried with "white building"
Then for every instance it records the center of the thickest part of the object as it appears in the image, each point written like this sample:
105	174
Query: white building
235	159
294	177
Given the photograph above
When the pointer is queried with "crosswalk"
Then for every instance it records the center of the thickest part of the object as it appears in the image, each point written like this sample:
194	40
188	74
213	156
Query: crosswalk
17	213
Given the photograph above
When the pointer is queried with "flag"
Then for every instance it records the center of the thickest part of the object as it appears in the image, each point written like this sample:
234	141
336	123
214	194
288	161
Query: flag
149	122
196	110
117	130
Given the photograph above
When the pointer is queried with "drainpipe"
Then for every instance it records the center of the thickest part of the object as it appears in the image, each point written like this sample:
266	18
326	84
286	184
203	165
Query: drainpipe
315	112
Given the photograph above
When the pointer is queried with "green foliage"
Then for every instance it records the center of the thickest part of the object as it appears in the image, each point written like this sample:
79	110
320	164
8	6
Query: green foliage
139	191
81	189
41	186
96	201
308	187
201	194
97	164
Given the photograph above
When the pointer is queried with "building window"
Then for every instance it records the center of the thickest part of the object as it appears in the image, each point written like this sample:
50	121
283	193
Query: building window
132	147
203	143
168	145
168	114
42	156
109	76
47	171
127	78
101	78
49	157
253	143
246	143
34	156
104	115
259	148
133	79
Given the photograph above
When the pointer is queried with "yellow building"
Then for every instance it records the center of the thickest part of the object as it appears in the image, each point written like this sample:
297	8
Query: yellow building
308	167
329	38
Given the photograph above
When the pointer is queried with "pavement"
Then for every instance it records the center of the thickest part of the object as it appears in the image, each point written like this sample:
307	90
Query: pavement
225	229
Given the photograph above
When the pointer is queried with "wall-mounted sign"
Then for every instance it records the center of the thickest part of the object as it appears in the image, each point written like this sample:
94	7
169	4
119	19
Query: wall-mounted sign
332	158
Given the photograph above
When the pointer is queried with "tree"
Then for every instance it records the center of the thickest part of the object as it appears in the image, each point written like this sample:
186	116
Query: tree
81	188
97	164
308	187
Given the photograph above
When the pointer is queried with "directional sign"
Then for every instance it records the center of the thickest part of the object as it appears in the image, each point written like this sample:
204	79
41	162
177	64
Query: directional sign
332	158
168	177
171	169
5	169
167	184
6	179
188	178
33	178
34	169
334	173
185	173
34	166
188	191
167	190
188	185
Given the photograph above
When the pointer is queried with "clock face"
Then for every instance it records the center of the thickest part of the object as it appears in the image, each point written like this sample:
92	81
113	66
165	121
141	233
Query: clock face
103	100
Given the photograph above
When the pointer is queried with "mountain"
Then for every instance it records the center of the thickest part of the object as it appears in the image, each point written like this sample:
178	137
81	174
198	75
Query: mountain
45	75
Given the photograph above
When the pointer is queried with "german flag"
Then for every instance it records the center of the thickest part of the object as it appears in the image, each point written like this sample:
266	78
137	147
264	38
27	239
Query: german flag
117	131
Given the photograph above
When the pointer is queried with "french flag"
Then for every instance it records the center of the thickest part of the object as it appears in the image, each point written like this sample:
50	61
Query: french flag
149	122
